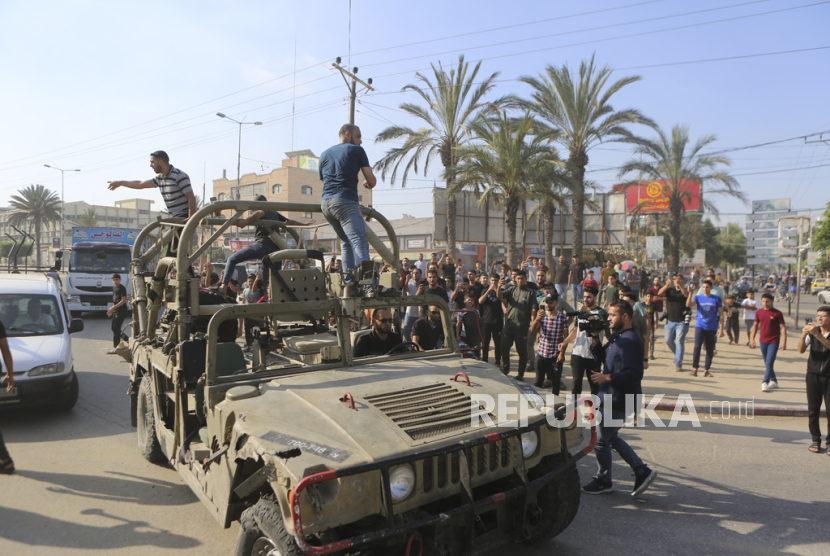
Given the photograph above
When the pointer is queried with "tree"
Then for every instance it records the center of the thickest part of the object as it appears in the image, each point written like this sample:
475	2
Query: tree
453	105
89	219
682	166
821	236
733	246
581	111
506	158
36	206
549	184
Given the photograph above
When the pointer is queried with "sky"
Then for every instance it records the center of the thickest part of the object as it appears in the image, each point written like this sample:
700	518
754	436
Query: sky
98	85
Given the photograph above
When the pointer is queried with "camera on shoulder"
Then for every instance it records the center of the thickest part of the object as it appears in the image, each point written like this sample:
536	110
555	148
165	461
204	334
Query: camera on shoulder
589	322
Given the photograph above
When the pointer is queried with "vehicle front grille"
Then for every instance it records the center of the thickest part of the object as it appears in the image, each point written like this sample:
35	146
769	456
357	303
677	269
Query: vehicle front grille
428	411
94	289
95	299
438	471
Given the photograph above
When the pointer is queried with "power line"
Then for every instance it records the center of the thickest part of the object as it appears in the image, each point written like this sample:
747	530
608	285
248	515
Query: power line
723	59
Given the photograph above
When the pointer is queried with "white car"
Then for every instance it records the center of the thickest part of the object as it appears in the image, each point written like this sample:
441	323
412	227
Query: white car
38	324
824	297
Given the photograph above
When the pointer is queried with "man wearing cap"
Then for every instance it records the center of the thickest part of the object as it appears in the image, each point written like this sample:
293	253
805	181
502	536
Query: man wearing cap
118	311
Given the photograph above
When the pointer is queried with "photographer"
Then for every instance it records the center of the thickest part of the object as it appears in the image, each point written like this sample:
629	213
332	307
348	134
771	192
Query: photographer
623	357
582	360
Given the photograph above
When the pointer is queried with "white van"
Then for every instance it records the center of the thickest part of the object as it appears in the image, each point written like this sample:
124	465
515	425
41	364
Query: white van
38	324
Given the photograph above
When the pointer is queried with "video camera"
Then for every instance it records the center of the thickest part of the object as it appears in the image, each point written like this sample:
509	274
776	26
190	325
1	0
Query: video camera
589	322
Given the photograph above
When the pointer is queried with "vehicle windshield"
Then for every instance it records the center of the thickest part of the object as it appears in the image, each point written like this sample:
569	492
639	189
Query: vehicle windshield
30	315
102	262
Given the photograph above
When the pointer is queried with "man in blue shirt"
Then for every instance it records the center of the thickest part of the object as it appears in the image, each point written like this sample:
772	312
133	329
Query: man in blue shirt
708	325
623	356
339	169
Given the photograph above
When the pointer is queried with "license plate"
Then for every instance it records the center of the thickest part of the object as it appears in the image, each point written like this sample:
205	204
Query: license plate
7	393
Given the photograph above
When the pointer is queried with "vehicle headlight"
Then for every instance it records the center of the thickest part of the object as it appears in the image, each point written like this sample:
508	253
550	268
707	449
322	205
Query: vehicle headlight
530	440
401	482
50	369
73	299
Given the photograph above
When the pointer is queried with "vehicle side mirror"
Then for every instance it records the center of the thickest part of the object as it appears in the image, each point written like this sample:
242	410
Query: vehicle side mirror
76	325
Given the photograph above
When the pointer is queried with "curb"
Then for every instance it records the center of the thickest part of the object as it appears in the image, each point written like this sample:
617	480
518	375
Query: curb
758	409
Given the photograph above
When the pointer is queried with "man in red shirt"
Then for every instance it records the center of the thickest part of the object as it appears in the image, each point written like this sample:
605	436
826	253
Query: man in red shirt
590	280
773	333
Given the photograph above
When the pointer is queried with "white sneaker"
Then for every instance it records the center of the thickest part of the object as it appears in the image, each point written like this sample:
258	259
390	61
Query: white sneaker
764	387
773	385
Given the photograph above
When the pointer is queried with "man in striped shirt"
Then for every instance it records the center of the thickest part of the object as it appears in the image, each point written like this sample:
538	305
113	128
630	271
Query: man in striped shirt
173	183
174	186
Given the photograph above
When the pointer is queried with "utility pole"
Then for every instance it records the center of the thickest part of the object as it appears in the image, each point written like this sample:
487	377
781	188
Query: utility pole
352	85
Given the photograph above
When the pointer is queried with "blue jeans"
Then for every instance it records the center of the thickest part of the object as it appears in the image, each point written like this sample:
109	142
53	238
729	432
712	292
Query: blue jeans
608	439
675	337
562	290
347	221
408	323
257	251
576	290
769	351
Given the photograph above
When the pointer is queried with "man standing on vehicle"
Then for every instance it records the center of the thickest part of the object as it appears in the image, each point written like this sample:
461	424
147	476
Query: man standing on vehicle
262	245
623	356
175	190
816	338
118	311
521	308
339	169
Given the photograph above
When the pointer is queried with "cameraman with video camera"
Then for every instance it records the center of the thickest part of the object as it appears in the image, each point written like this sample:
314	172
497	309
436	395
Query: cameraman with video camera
623	356
582	360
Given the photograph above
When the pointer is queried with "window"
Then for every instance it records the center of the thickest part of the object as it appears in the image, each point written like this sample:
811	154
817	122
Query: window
276	189
221	197
305	190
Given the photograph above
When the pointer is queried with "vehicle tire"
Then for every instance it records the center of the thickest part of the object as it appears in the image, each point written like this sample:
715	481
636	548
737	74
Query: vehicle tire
148	442
262	532
76	314
72	396
558	500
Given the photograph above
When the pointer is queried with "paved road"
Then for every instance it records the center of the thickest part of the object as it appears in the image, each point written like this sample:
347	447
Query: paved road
731	486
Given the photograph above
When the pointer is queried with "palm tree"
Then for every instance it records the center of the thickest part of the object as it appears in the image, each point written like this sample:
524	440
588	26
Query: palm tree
89	218
549	185
453	105
682	166
581	111
506	158
35	205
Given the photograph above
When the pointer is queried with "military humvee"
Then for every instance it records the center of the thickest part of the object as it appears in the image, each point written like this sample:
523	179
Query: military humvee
313	450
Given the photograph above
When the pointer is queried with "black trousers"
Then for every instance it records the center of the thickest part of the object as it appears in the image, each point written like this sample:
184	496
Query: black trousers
510	335
707	338
491	330
118	319
4	453
818	388
549	369
733	330
580	366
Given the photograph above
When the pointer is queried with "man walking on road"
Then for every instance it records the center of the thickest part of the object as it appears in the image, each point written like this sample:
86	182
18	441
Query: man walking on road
118	311
339	168
582	359
773	335
6	463
561	272
623	356
675	294
521	305
575	278
817	339
708	325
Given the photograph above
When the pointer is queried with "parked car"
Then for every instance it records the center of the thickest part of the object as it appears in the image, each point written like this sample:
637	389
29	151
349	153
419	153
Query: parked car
824	297
819	284
38	324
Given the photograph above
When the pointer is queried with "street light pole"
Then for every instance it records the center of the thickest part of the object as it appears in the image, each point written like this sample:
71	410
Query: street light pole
63	200
239	150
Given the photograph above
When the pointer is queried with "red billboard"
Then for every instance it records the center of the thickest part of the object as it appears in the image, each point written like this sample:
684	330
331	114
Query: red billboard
653	196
